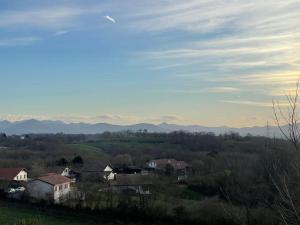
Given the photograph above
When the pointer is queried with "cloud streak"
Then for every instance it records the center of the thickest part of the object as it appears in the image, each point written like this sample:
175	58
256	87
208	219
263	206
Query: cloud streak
249	103
61	32
47	17
216	90
19	41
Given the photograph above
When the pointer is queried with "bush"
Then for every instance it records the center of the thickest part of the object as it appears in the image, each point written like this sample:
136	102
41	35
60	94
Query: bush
77	160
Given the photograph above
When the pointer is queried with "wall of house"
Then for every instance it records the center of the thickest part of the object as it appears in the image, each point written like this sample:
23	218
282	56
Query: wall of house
66	172
111	176
22	176
40	190
152	164
61	190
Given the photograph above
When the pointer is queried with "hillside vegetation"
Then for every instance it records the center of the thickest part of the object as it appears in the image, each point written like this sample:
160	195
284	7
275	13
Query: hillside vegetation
229	180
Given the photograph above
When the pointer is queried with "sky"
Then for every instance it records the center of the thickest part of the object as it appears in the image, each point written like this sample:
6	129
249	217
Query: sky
206	62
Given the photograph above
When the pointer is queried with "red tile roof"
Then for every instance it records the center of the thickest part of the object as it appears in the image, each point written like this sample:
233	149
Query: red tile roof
55	179
9	174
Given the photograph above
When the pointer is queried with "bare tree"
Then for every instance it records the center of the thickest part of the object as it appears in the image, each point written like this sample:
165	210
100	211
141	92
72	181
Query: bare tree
287	182
290	130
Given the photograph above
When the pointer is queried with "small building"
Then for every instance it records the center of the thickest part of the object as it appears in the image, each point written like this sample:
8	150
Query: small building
50	187
170	166
131	184
13	174
69	173
110	172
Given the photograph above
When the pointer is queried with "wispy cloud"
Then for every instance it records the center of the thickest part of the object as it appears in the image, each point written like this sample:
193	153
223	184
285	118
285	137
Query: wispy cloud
61	32
10	42
223	90
206	90
250	43
279	78
47	17
193	16
249	103
207	16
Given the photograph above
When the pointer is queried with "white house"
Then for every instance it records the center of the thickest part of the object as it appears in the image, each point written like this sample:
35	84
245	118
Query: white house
108	173
152	164
66	172
50	187
13	174
69	173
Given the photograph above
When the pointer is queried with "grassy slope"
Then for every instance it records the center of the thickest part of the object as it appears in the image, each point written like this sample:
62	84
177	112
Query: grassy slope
82	148
132	144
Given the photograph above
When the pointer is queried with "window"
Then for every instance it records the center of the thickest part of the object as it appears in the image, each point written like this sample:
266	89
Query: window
60	187
55	188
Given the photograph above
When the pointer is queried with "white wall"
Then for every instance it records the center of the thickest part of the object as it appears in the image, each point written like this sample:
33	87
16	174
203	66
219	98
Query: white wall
66	172
152	164
111	176
61	190
22	176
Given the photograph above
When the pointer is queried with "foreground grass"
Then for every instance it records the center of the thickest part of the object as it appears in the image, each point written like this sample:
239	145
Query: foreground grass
12	213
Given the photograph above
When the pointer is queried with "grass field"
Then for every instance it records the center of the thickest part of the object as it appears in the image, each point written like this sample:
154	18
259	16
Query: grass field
12	213
125	145
85	147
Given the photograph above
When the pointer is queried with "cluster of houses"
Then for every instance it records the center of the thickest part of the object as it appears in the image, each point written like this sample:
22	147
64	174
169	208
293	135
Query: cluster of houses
51	186
126	179
136	180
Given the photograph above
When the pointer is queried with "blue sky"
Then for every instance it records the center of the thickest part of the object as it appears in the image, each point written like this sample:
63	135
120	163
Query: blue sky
188	62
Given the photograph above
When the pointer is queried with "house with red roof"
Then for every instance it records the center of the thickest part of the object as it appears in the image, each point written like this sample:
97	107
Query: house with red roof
170	166
50	187
13	174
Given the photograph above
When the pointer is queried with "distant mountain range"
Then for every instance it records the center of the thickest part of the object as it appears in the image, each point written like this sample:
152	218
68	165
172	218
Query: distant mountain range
49	127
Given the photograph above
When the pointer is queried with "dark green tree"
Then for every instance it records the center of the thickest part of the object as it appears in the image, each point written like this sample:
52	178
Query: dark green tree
77	160
62	162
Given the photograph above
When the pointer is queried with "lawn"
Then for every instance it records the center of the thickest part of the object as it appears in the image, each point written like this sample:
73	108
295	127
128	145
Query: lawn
12	213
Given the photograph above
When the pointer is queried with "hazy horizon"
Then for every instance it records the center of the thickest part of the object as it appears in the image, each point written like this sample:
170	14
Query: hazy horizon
67	120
